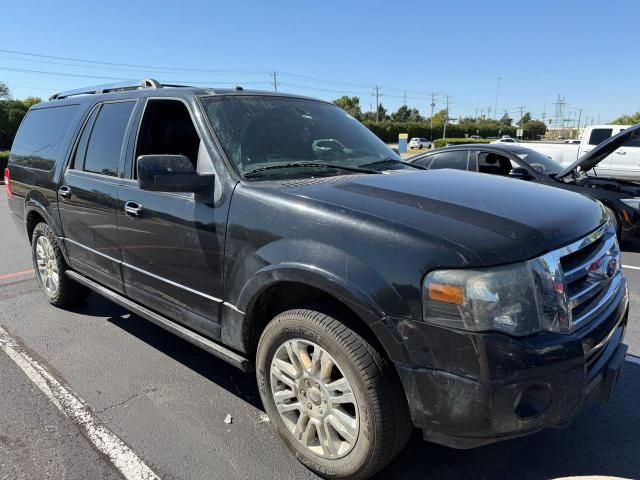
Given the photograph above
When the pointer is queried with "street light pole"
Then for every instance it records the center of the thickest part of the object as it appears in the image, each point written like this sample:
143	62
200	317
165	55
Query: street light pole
495	110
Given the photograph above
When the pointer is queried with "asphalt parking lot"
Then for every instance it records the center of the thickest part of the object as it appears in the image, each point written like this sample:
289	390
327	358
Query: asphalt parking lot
167	401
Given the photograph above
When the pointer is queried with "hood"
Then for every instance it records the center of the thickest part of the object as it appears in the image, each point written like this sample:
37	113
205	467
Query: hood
490	219
602	151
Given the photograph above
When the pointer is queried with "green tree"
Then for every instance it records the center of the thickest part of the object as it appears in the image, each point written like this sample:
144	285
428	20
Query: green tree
627	119
351	105
406	114
438	117
506	119
526	118
4	90
11	114
382	113
30	101
534	129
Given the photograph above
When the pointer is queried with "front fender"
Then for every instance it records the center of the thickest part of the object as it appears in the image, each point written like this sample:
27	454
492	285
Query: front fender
348	293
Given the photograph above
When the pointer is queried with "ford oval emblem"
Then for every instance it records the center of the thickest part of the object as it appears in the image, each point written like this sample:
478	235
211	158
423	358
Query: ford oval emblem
611	267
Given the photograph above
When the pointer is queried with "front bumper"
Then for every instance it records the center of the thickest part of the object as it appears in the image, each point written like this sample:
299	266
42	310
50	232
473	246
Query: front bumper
472	389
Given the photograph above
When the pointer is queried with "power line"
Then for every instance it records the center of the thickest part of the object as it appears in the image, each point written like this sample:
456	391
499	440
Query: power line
149	67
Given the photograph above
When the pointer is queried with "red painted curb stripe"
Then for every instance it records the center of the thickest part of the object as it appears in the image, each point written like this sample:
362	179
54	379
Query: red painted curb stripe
23	273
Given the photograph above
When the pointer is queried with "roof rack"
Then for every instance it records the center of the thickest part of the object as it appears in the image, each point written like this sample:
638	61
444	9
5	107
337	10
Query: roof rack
110	87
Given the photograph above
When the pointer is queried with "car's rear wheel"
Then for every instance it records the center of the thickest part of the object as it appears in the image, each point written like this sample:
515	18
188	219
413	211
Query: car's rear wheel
330	395
50	268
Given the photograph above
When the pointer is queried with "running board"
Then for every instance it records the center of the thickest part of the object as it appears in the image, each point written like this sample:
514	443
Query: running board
190	336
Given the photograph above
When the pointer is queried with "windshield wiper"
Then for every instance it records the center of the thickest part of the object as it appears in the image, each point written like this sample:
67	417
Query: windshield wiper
392	160
308	164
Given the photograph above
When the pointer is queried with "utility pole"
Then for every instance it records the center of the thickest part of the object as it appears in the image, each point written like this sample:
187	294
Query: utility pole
579	118
495	110
544	112
275	81
405	98
433	104
378	95
521	119
446	119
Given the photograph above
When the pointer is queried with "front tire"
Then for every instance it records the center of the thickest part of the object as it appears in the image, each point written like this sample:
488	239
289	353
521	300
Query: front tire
50	268
330	395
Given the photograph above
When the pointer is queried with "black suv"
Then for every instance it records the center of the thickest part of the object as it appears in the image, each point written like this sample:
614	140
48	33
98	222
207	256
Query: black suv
277	231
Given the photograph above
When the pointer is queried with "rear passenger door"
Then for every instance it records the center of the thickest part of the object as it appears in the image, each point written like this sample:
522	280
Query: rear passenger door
88	194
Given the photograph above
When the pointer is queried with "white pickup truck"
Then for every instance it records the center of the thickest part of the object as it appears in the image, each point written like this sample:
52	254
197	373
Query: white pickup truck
624	163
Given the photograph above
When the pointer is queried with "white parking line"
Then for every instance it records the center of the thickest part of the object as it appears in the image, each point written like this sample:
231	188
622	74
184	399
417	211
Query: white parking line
122	457
631	267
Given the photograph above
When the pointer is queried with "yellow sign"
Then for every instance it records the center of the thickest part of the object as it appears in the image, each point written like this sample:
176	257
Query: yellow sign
403	135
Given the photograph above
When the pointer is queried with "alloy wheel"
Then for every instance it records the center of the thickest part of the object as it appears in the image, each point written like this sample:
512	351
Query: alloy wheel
314	398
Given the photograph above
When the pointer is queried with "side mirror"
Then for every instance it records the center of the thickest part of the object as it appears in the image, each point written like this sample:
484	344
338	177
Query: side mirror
395	150
170	173
521	173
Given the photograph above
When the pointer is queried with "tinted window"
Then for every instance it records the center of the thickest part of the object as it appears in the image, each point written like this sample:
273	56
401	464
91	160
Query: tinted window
38	142
539	162
424	161
78	158
599	135
457	160
167	129
107	136
634	142
494	163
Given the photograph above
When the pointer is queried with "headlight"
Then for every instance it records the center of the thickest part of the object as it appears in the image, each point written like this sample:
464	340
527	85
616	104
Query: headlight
631	202
500	298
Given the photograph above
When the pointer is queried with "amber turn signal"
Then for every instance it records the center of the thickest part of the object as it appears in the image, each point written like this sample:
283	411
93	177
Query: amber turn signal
445	293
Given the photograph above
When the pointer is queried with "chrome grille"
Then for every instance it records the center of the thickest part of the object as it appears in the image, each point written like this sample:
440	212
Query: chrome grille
577	282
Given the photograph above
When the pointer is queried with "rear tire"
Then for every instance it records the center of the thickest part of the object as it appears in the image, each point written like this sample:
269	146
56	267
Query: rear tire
51	268
304	359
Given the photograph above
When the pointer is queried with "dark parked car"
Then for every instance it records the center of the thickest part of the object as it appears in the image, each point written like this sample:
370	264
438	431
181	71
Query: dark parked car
276	231
621	198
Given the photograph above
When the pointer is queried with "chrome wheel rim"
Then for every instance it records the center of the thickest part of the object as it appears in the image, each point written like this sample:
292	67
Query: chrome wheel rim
314	398
47	266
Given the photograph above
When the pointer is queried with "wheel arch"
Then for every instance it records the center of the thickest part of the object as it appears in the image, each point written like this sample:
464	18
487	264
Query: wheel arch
287	286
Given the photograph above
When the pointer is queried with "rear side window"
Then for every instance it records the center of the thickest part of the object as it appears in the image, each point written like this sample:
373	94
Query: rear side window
39	140
107	137
456	160
599	135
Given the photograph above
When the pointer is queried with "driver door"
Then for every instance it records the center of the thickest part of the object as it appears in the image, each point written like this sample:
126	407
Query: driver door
172	244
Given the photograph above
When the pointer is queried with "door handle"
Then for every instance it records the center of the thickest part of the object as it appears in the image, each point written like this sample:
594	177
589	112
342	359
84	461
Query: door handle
133	209
64	191
621	153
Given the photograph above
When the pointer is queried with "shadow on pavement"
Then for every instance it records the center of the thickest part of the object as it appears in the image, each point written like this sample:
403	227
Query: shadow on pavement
230	378
604	440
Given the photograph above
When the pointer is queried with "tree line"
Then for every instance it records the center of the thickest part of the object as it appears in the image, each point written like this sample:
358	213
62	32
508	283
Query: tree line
11	114
408	120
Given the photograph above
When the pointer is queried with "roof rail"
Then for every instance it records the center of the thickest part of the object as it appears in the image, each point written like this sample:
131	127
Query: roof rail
110	87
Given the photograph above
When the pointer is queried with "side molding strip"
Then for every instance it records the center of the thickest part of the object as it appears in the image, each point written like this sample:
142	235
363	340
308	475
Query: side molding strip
190	336
157	277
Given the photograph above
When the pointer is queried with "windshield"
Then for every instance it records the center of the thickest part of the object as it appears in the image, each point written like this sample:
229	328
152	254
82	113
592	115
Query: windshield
539	162
258	131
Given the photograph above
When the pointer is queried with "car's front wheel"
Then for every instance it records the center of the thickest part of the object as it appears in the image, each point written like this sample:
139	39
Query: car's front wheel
330	395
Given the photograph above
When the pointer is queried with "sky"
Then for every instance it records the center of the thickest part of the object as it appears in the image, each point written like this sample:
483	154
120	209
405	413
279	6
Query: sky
581	50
